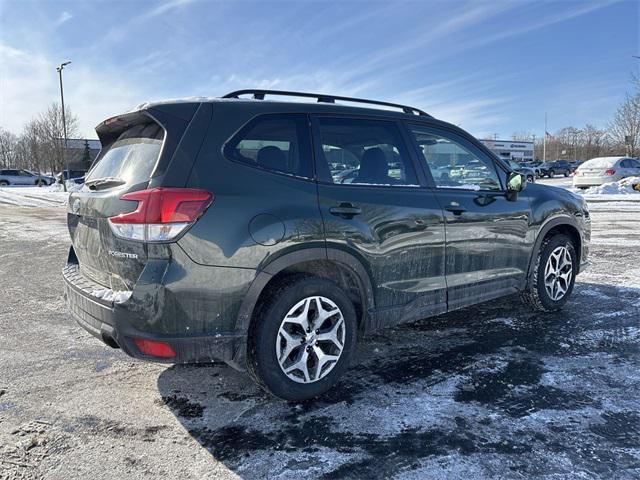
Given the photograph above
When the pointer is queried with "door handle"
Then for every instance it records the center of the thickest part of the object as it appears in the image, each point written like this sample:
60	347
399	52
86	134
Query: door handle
455	208
345	210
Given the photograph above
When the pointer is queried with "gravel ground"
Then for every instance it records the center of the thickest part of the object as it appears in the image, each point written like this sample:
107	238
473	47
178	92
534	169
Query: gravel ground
490	391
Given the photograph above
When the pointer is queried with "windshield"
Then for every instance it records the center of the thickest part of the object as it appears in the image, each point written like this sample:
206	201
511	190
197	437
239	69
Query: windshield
132	157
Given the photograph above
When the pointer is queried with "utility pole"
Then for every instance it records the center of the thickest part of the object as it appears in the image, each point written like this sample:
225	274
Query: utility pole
64	126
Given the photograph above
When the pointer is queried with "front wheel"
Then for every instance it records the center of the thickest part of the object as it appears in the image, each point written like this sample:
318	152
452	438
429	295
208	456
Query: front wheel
302	338
553	275
3	183
41	183
552	174
566	174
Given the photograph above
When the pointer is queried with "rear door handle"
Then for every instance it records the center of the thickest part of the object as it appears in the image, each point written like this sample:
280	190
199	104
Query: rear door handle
345	210
455	208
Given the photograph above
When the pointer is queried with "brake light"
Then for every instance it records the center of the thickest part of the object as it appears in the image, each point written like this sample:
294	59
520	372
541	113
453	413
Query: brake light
610	171
162	213
154	349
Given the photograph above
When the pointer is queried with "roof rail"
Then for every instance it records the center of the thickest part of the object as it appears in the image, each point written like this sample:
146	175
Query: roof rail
322	98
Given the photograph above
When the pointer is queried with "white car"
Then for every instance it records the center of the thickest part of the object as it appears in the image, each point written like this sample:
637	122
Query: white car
24	177
598	171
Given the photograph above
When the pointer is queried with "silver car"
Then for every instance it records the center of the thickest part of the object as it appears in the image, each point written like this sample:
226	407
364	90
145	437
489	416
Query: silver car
598	171
24	177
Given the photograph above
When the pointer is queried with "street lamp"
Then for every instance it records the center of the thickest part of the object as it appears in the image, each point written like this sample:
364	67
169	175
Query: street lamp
64	125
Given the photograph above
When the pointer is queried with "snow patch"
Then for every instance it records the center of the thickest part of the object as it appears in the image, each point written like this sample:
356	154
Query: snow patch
621	187
51	196
116	296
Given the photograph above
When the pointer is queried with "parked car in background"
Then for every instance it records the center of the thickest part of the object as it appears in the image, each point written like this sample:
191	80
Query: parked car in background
556	167
220	230
535	166
598	171
24	177
575	164
70	175
528	172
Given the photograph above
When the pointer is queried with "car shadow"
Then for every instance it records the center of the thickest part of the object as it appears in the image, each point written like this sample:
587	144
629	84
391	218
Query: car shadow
463	394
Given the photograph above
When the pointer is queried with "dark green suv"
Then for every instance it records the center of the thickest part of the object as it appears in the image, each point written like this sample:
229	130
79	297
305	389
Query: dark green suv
272	234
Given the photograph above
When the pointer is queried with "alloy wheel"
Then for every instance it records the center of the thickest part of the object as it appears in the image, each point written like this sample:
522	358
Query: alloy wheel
558	272
310	339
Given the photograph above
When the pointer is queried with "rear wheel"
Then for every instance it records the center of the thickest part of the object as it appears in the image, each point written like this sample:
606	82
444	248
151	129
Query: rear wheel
41	183
552	174
4	183
553	276
566	174
530	178
302	338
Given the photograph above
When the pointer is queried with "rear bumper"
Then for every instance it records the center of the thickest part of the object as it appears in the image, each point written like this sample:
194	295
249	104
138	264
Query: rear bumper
113	323
579	181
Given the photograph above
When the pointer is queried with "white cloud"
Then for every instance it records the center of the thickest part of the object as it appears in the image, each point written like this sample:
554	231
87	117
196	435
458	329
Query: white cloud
64	17
29	82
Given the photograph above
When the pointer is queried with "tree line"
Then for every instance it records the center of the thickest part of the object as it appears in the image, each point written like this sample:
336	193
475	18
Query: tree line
620	137
40	145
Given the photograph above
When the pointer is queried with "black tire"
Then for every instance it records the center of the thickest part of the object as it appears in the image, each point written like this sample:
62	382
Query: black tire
262	359
566	174
552	174
535	295
41	183
3	183
530	178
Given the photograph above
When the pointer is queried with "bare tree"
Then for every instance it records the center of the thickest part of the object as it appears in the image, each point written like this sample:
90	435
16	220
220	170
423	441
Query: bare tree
594	141
8	146
33	146
625	127
51	133
522	136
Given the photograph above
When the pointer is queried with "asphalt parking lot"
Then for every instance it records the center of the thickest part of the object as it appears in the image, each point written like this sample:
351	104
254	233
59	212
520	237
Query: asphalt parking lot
490	391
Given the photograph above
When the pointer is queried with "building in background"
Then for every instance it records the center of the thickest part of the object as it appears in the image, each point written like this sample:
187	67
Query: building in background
511	149
82	152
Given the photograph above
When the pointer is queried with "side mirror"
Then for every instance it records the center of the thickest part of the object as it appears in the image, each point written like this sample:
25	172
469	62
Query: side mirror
516	182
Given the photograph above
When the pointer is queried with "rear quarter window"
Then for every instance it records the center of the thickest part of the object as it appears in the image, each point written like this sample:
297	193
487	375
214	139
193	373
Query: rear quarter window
274	142
132	157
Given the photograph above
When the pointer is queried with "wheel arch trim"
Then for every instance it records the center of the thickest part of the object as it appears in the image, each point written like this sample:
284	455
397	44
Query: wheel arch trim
556	221
264	275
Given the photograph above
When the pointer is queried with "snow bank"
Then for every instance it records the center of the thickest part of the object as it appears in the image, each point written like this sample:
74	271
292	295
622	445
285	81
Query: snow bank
622	187
52	196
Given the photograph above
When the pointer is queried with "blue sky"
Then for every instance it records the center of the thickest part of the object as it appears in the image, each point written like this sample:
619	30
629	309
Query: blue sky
491	66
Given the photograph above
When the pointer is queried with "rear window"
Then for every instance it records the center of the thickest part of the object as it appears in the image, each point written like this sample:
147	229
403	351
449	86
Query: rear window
132	156
599	163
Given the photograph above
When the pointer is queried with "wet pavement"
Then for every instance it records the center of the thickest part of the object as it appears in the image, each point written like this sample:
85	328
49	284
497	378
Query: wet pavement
484	392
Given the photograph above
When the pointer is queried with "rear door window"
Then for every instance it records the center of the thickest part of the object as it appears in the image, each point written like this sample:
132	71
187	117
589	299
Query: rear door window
132	157
275	142
363	152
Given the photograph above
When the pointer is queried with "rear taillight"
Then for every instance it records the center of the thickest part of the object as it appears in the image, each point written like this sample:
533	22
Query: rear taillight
162	213
610	171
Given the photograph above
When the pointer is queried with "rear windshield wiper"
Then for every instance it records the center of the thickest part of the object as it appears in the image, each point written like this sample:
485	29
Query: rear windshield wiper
104	182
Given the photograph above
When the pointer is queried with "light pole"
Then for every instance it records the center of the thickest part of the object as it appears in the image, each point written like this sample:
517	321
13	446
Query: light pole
64	125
